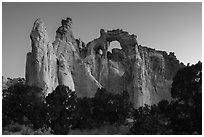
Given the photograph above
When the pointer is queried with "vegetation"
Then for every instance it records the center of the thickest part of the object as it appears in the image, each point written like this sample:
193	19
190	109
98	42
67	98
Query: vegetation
187	93
61	104
181	116
104	108
21	101
61	110
151	120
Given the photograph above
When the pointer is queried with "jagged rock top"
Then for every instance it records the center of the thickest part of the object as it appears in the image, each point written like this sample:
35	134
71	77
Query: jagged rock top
66	26
64	32
39	25
39	35
67	23
117	34
144	72
38	29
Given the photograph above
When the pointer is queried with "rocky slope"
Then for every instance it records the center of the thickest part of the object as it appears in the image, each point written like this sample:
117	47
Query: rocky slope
144	72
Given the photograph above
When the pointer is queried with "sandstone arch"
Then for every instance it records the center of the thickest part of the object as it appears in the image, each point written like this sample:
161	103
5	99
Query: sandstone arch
144	72
114	45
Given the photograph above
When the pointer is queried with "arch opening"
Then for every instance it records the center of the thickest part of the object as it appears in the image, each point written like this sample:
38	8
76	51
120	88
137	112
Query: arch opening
99	50
114	45
115	52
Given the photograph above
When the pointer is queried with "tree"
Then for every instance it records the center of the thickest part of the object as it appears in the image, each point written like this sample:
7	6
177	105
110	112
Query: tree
187	94
12	102
181	116
102	98
104	108
151	120
21	100
61	104
83	114
187	83
111	108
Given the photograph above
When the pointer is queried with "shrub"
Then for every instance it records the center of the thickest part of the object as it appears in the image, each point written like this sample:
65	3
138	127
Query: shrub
187	93
151	120
183	115
104	108
83	115
61	104
111	108
13	102
20	100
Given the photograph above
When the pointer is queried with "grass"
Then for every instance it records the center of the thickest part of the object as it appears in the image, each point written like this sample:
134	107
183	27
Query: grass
17	129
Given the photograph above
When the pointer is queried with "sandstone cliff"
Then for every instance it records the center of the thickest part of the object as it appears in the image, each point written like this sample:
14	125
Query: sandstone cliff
40	64
59	63
144	72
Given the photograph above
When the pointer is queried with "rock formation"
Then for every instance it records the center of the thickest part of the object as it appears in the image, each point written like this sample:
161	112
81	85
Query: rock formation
40	64
144	72
64	73
59	63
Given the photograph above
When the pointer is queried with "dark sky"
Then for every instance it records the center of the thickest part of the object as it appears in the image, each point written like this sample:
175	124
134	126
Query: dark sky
175	27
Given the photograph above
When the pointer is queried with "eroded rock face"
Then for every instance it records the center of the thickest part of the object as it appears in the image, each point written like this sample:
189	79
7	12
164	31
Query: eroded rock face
41	62
64	74
144	72
43	66
74	52
59	63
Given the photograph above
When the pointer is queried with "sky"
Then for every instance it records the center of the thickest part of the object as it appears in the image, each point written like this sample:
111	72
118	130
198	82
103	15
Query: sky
172	27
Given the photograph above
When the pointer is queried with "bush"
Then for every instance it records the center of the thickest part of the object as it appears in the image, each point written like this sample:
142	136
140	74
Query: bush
104	108
187	93
111	108
151	120
83	115
183	115
61	104
62	110
20	100
13	102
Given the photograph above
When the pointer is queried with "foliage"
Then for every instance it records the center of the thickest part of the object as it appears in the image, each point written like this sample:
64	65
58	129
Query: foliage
13	102
187	93
150	120
181	116
187	83
18	129
104	108
111	108
21	101
83	115
62	110
5	120
61	104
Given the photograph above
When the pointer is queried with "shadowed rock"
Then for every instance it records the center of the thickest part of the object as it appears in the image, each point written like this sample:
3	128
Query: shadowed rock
64	74
144	72
49	65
